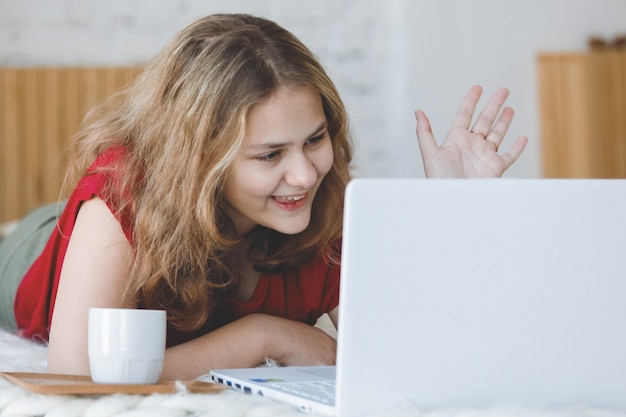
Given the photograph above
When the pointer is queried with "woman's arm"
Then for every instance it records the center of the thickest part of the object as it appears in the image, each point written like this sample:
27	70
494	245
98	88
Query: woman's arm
247	342
94	274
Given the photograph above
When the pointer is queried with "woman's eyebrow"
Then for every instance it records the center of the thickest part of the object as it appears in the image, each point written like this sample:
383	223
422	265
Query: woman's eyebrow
323	126
277	145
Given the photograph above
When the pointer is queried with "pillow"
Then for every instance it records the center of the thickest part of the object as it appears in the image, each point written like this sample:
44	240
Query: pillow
7	228
18	251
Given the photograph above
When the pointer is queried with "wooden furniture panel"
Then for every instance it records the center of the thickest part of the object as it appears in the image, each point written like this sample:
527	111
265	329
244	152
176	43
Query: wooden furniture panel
40	109
583	107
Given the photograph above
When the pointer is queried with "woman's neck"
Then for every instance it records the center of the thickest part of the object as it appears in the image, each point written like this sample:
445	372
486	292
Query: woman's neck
247	276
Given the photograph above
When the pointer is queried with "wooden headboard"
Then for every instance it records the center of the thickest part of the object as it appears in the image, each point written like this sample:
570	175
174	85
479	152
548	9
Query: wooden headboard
40	109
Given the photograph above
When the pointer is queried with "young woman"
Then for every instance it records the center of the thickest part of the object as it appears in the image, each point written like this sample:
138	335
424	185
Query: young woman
213	188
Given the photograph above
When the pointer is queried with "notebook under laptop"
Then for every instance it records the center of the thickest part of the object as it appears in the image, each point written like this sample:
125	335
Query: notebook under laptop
474	293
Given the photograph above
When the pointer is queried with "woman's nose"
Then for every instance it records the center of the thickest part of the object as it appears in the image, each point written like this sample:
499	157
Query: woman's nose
301	172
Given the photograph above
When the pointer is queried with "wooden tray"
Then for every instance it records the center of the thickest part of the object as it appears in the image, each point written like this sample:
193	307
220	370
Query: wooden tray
45	383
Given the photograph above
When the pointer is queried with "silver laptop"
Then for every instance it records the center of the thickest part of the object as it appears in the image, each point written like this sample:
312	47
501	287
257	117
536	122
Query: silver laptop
473	293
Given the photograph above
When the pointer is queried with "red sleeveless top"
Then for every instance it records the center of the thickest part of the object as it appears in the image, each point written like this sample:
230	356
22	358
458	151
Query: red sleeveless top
303	294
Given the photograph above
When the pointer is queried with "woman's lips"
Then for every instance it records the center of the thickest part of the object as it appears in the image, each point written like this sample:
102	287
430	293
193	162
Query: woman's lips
293	202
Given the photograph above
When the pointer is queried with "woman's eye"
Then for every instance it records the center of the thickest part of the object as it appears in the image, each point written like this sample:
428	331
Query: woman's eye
269	157
316	139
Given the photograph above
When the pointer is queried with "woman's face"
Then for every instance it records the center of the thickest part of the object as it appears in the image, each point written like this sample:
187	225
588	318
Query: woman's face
286	154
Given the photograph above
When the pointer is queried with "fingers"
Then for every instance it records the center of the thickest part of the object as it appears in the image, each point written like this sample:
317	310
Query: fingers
489	114
425	137
484	122
484	125
497	133
466	110
490	128
518	146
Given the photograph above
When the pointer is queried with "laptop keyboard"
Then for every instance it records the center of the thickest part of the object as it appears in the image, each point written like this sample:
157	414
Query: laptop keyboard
321	391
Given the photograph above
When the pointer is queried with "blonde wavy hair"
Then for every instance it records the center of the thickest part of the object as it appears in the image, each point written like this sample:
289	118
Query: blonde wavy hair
182	123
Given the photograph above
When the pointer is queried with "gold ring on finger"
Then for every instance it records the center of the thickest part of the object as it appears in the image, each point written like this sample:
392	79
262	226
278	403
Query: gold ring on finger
479	133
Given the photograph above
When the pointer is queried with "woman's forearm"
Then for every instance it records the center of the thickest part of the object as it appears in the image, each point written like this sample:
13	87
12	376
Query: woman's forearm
247	342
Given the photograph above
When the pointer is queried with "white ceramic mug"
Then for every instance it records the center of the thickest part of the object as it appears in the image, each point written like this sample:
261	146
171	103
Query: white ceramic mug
126	346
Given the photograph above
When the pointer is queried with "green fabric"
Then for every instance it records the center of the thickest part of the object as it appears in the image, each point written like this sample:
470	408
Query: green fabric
18	251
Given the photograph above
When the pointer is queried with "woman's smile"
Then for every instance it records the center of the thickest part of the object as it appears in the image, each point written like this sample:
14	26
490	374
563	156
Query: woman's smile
291	202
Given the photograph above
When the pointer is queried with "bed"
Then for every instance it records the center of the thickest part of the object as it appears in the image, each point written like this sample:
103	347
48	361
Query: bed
40	108
19	355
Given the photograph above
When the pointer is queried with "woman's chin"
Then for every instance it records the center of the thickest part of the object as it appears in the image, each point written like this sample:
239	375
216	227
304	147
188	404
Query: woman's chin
291	228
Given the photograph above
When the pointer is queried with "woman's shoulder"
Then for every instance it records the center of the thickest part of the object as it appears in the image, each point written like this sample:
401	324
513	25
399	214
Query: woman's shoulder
99	174
108	158
102	180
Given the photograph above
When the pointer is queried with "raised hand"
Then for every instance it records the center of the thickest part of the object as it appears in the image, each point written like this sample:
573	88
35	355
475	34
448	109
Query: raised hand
470	151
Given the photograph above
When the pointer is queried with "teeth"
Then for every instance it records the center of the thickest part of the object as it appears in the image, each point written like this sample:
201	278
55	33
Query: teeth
293	198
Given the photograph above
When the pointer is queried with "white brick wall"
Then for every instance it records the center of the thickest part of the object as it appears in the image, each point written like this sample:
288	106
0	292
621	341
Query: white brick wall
348	36
387	57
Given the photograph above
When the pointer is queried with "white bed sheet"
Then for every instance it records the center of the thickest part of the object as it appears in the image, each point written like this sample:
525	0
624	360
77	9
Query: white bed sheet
19	355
